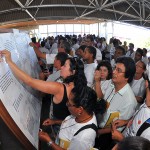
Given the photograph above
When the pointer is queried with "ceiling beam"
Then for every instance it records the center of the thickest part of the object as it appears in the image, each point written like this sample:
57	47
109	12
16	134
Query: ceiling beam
112	3
38	8
74	8
90	12
10	10
105	2
122	13
28	2
114	11
61	5
97	4
91	2
23	7
43	6
130	5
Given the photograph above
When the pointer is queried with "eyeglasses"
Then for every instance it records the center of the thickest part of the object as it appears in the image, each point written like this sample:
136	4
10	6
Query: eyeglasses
69	105
118	70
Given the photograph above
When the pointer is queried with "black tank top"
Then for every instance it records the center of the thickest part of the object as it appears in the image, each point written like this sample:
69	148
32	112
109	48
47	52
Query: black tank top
60	111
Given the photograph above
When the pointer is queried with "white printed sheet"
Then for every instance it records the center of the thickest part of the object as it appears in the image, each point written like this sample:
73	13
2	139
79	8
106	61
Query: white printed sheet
19	100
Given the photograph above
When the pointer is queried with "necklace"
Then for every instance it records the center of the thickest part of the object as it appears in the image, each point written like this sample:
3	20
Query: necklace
74	123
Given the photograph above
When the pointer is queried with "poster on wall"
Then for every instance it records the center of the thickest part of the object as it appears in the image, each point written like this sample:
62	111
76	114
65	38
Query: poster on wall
20	102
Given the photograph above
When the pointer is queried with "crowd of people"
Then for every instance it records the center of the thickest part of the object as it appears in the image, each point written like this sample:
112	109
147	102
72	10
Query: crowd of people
98	93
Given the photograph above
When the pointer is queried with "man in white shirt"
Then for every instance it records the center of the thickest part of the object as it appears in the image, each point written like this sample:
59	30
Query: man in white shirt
120	99
75	45
65	47
43	50
138	125
90	42
120	51
90	65
145	58
148	68
138	55
131	52
54	47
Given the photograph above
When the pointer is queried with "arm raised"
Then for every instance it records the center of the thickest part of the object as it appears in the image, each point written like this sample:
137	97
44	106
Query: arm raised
43	86
37	51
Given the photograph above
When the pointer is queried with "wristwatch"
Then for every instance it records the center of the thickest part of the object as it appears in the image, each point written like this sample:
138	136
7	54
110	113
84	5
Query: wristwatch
50	143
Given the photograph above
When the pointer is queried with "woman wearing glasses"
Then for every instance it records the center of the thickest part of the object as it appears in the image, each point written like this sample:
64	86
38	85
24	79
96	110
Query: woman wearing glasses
81	104
73	74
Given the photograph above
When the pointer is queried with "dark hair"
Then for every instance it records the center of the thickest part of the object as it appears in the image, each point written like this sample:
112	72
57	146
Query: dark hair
74	40
116	42
106	64
91	38
33	39
130	68
134	143
144	49
131	45
79	77
86	97
121	48
143	64
61	38
92	50
144	68
62	57
42	43
140	51
67	47
82	47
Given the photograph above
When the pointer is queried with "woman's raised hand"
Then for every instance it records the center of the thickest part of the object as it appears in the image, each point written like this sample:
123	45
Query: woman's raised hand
6	54
97	75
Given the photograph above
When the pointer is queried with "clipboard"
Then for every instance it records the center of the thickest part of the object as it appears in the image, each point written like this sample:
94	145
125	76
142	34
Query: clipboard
113	116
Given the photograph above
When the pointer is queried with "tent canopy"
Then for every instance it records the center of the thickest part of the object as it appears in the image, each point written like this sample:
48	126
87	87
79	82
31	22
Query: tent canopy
135	12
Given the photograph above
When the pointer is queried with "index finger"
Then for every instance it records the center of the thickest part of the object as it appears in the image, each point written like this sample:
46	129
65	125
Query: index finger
113	127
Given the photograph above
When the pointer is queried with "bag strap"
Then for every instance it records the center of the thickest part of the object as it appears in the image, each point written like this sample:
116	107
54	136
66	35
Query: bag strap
143	127
92	126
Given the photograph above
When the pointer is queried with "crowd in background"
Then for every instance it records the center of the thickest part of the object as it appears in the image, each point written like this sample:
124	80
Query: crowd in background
100	92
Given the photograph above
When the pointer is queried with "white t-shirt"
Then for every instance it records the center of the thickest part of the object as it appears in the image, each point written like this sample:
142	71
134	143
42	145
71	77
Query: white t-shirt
138	87
75	46
148	70
50	58
84	140
128	54
89	70
139	118
122	105
98	54
145	60
105	85
44	50
54	76
54	49
111	49
113	63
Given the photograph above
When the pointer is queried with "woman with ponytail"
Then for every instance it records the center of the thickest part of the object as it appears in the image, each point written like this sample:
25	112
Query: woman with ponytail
73	74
